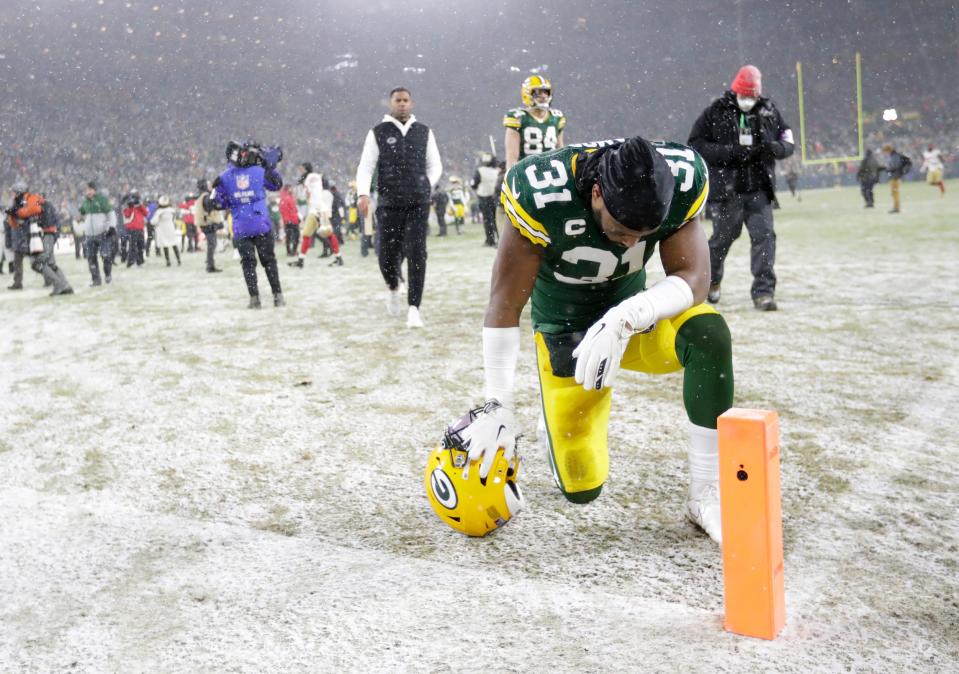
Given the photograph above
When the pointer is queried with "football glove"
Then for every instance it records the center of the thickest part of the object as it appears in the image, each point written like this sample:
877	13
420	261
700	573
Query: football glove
599	354
494	427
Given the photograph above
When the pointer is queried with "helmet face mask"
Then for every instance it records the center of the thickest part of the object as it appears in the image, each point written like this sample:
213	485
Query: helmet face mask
471	505
533	87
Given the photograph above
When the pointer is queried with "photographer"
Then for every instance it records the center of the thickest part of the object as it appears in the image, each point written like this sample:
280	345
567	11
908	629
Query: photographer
209	221
251	171
35	224
134	220
741	135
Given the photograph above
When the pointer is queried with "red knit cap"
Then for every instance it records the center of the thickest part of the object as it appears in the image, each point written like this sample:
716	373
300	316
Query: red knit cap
748	82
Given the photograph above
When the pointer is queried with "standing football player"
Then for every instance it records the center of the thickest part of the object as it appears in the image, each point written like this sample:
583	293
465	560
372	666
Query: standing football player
585	221
932	166
459	197
534	128
320	202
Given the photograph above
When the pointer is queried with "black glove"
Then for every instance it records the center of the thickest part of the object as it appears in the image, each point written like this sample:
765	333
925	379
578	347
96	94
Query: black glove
767	145
209	204
272	156
745	154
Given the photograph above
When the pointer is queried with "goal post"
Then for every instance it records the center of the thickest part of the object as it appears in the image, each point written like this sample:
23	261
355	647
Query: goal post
802	119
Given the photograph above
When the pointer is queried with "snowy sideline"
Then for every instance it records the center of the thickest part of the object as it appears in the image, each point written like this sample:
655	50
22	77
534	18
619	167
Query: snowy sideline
189	486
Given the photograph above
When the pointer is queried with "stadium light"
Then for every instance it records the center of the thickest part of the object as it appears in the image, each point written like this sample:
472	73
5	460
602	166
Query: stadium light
890	115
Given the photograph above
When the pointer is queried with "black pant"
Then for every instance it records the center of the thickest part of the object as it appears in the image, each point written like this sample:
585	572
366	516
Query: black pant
166	255
440	219
487	207
104	245
45	264
866	187
403	234
754	210
135	250
292	238
250	247
151	235
17	265
210	234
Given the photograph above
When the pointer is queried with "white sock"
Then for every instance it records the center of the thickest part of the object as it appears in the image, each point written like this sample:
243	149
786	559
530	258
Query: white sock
703	457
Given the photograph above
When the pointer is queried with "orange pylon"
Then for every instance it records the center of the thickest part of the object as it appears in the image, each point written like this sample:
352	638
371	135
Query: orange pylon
751	508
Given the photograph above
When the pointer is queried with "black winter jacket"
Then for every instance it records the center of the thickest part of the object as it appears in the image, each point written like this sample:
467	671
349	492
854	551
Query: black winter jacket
715	136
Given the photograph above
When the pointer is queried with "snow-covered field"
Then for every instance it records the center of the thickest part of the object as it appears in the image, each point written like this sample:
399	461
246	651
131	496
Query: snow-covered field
190	486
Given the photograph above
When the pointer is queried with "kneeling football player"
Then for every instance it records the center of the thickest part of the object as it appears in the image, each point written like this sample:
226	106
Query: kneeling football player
585	220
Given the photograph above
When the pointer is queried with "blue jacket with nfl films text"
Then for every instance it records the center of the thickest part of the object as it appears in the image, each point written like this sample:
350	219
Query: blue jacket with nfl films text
243	191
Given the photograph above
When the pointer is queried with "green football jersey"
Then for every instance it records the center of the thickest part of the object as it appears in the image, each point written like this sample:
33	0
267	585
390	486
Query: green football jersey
583	273
535	137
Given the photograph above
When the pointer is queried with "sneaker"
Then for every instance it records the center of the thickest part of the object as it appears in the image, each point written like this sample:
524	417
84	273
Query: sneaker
62	291
15	286
213	270
894	210
337	262
254	302
413	319
714	294
296	263
278	300
108	278
702	509
393	302
94	284
765	303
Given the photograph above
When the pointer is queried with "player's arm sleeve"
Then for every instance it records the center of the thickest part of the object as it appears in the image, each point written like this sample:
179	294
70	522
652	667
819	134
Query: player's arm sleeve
511	143
511	121
701	140
699	204
364	172
525	223
434	164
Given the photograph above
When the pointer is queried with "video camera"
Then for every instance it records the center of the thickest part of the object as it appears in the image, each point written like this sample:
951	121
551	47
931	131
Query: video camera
253	154
132	199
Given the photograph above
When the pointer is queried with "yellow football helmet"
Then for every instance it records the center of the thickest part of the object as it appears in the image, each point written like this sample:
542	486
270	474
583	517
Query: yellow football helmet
531	84
470	505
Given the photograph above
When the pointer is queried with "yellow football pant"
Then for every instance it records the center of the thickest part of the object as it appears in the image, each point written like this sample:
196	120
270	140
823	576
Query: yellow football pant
311	224
577	420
